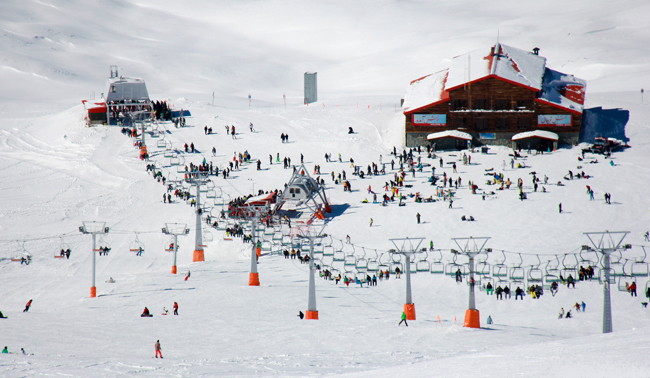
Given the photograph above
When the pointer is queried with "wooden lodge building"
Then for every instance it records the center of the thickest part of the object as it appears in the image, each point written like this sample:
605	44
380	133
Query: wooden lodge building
501	96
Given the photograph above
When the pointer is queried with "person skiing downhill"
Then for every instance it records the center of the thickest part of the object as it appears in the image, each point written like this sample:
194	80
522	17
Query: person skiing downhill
158	349
27	306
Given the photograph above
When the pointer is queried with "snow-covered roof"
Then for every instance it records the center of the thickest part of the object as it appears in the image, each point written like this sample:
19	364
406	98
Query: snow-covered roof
505	62
449	134
566	91
426	91
125	88
536	134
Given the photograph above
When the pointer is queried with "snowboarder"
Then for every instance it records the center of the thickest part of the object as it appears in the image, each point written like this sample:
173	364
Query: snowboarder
403	319
5	350
27	306
158	349
146	313
301	315
2	315
175	308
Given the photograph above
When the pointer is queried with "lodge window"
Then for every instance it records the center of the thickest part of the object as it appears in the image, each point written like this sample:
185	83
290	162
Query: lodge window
501	104
523	123
112	89
481	104
480	123
460	123
460	104
524	104
502	123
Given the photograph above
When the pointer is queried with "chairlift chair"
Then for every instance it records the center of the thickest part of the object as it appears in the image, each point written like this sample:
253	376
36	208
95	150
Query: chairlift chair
640	268
136	245
338	256
535	274
437	266
207	236
383	265
624	282
500	269
63	246
517	273
169	246
350	260
482	268
413	266
102	244
568	269
394	265
266	245
161	143
422	265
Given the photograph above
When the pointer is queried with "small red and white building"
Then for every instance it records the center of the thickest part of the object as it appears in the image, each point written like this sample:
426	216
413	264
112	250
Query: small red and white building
493	95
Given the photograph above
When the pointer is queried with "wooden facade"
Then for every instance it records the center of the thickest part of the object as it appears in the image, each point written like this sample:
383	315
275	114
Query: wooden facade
492	110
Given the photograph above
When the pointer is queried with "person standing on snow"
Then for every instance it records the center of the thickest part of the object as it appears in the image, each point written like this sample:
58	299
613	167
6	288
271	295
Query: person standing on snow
175	308
417	216
403	319
158	349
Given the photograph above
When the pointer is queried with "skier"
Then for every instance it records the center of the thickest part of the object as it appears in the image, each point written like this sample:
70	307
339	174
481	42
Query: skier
188	275
561	313
145	313
646	236
158	349
301	315
214	151
27	306
451	203
560	208
403	319
175	308
5	350
459	277
417	216
489	320
371	222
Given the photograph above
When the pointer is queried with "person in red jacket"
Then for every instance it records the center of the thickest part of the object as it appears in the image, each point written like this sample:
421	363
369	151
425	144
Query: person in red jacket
27	306
175	308
631	289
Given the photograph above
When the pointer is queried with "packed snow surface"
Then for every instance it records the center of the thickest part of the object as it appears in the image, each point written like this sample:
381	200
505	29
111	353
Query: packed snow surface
57	173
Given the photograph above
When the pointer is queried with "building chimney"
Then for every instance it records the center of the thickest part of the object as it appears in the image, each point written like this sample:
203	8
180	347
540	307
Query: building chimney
536	50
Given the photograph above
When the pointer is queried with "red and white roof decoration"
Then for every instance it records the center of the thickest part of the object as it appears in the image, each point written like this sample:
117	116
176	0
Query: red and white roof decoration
505	63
